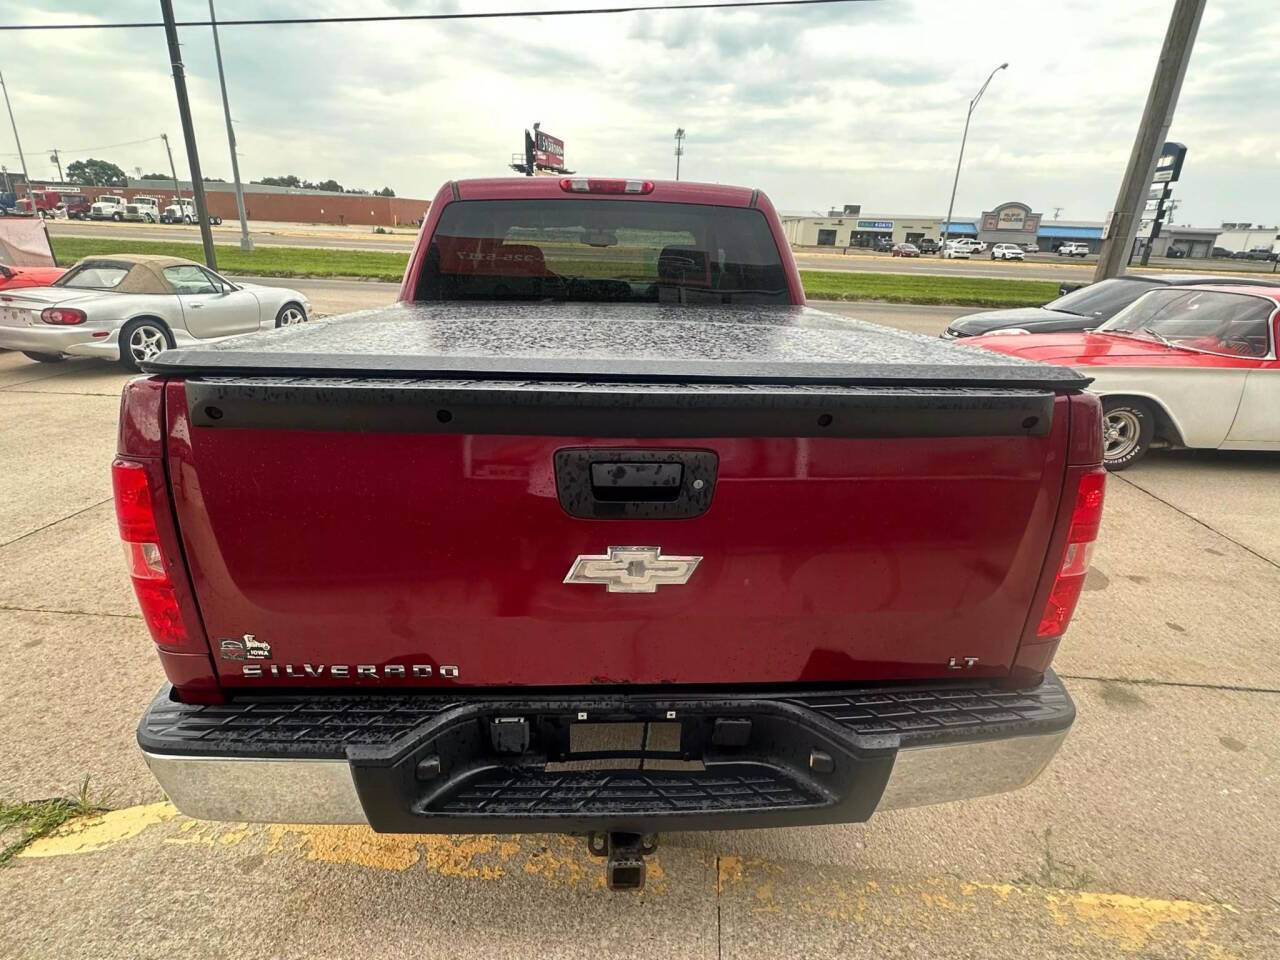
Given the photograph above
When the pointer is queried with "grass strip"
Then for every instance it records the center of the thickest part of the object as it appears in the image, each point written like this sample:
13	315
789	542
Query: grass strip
324	262
33	819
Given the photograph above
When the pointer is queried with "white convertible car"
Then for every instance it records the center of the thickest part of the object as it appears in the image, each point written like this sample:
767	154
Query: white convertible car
130	307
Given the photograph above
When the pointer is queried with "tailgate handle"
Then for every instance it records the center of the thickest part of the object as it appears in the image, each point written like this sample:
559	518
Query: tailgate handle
654	482
600	483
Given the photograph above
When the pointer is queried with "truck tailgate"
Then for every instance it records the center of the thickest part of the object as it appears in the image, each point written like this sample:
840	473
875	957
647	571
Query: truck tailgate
721	502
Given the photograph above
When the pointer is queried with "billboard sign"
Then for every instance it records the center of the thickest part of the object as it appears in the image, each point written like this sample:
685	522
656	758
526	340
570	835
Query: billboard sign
875	224
548	151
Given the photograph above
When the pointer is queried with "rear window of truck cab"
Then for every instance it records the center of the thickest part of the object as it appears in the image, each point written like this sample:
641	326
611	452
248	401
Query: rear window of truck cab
631	251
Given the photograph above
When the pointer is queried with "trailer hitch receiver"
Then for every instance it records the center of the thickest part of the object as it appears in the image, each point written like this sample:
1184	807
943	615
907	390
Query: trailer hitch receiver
624	855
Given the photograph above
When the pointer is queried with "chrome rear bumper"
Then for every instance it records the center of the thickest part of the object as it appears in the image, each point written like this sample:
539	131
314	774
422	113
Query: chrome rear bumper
449	764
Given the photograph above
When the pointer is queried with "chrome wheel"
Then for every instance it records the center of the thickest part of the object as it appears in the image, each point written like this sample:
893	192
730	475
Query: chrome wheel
146	343
1121	432
290	315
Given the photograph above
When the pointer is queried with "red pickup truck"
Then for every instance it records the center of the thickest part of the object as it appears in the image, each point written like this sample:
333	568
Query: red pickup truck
601	529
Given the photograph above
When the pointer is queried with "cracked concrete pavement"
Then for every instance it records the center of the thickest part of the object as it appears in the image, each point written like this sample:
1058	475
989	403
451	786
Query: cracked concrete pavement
1153	833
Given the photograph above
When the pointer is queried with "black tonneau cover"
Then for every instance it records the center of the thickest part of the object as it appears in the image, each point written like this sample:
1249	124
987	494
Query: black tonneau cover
604	342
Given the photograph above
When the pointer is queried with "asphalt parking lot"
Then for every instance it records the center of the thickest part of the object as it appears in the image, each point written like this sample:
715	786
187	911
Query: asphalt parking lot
1154	834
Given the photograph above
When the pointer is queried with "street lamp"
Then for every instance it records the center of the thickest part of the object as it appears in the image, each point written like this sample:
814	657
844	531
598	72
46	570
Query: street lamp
679	149
946	227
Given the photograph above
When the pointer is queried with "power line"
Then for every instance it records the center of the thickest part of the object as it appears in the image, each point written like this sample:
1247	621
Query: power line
106	146
391	18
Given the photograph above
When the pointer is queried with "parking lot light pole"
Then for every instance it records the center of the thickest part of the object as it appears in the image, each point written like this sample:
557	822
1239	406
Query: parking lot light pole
188	131
946	226
14	123
246	241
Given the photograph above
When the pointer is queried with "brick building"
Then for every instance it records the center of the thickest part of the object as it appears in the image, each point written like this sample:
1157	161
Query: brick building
287	204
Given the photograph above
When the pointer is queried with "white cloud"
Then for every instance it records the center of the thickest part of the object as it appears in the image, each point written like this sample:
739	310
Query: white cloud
850	103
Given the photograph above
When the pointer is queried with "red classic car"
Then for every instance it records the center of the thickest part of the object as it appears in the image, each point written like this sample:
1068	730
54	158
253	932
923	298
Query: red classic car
1187	366
14	277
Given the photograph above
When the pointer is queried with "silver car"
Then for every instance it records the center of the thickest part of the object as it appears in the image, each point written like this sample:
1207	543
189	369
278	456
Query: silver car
130	307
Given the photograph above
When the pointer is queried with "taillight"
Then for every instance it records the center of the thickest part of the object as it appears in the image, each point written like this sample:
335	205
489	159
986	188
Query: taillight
152	583
1069	580
63	316
597	185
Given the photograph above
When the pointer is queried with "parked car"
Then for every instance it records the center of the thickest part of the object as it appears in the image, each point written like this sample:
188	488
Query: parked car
182	210
1221	252
142	210
1083	306
905	250
108	207
1175	253
928	245
1072	249
1030	248
383	512
956	250
11	278
1184	366
1007	251
1260	253
131	307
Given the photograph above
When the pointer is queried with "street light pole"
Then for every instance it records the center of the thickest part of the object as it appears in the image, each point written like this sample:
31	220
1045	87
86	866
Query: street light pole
679	149
13	123
188	131
946	226
246	241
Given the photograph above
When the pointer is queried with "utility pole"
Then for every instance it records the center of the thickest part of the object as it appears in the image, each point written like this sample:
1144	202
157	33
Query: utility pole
679	149
246	241
946	227
188	132
21	159
1156	118
53	155
1057	211
177	194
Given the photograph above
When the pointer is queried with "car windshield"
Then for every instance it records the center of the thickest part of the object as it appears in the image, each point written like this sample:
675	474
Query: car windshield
93	276
1102	300
602	250
1233	324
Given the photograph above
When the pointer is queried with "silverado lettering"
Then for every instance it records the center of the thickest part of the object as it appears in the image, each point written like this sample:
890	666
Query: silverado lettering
890	535
368	670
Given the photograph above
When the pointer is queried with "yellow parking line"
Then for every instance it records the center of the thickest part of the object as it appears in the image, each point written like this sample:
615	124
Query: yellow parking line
1127	925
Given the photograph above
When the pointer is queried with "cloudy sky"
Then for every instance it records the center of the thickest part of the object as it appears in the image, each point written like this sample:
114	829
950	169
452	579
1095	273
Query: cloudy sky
848	103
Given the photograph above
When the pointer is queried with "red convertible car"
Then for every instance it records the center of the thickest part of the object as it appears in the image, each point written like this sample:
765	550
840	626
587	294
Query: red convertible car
1185	366
14	277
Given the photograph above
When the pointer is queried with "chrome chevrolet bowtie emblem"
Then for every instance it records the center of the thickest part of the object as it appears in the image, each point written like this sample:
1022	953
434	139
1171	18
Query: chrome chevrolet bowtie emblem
632	569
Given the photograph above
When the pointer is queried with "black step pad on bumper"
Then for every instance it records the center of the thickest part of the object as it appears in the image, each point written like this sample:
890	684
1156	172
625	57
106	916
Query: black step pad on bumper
481	762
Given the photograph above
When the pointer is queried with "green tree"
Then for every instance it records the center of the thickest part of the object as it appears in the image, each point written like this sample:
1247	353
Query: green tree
384	192
156	176
332	186
289	180
96	173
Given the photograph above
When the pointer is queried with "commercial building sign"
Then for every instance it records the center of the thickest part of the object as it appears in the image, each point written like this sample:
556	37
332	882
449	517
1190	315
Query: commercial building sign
875	224
548	151
1169	163
1013	217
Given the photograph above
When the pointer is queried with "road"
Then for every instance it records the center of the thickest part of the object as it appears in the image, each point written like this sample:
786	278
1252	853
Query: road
1041	267
1148	837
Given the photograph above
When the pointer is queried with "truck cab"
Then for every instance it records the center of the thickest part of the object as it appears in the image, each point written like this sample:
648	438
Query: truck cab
142	210
109	206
